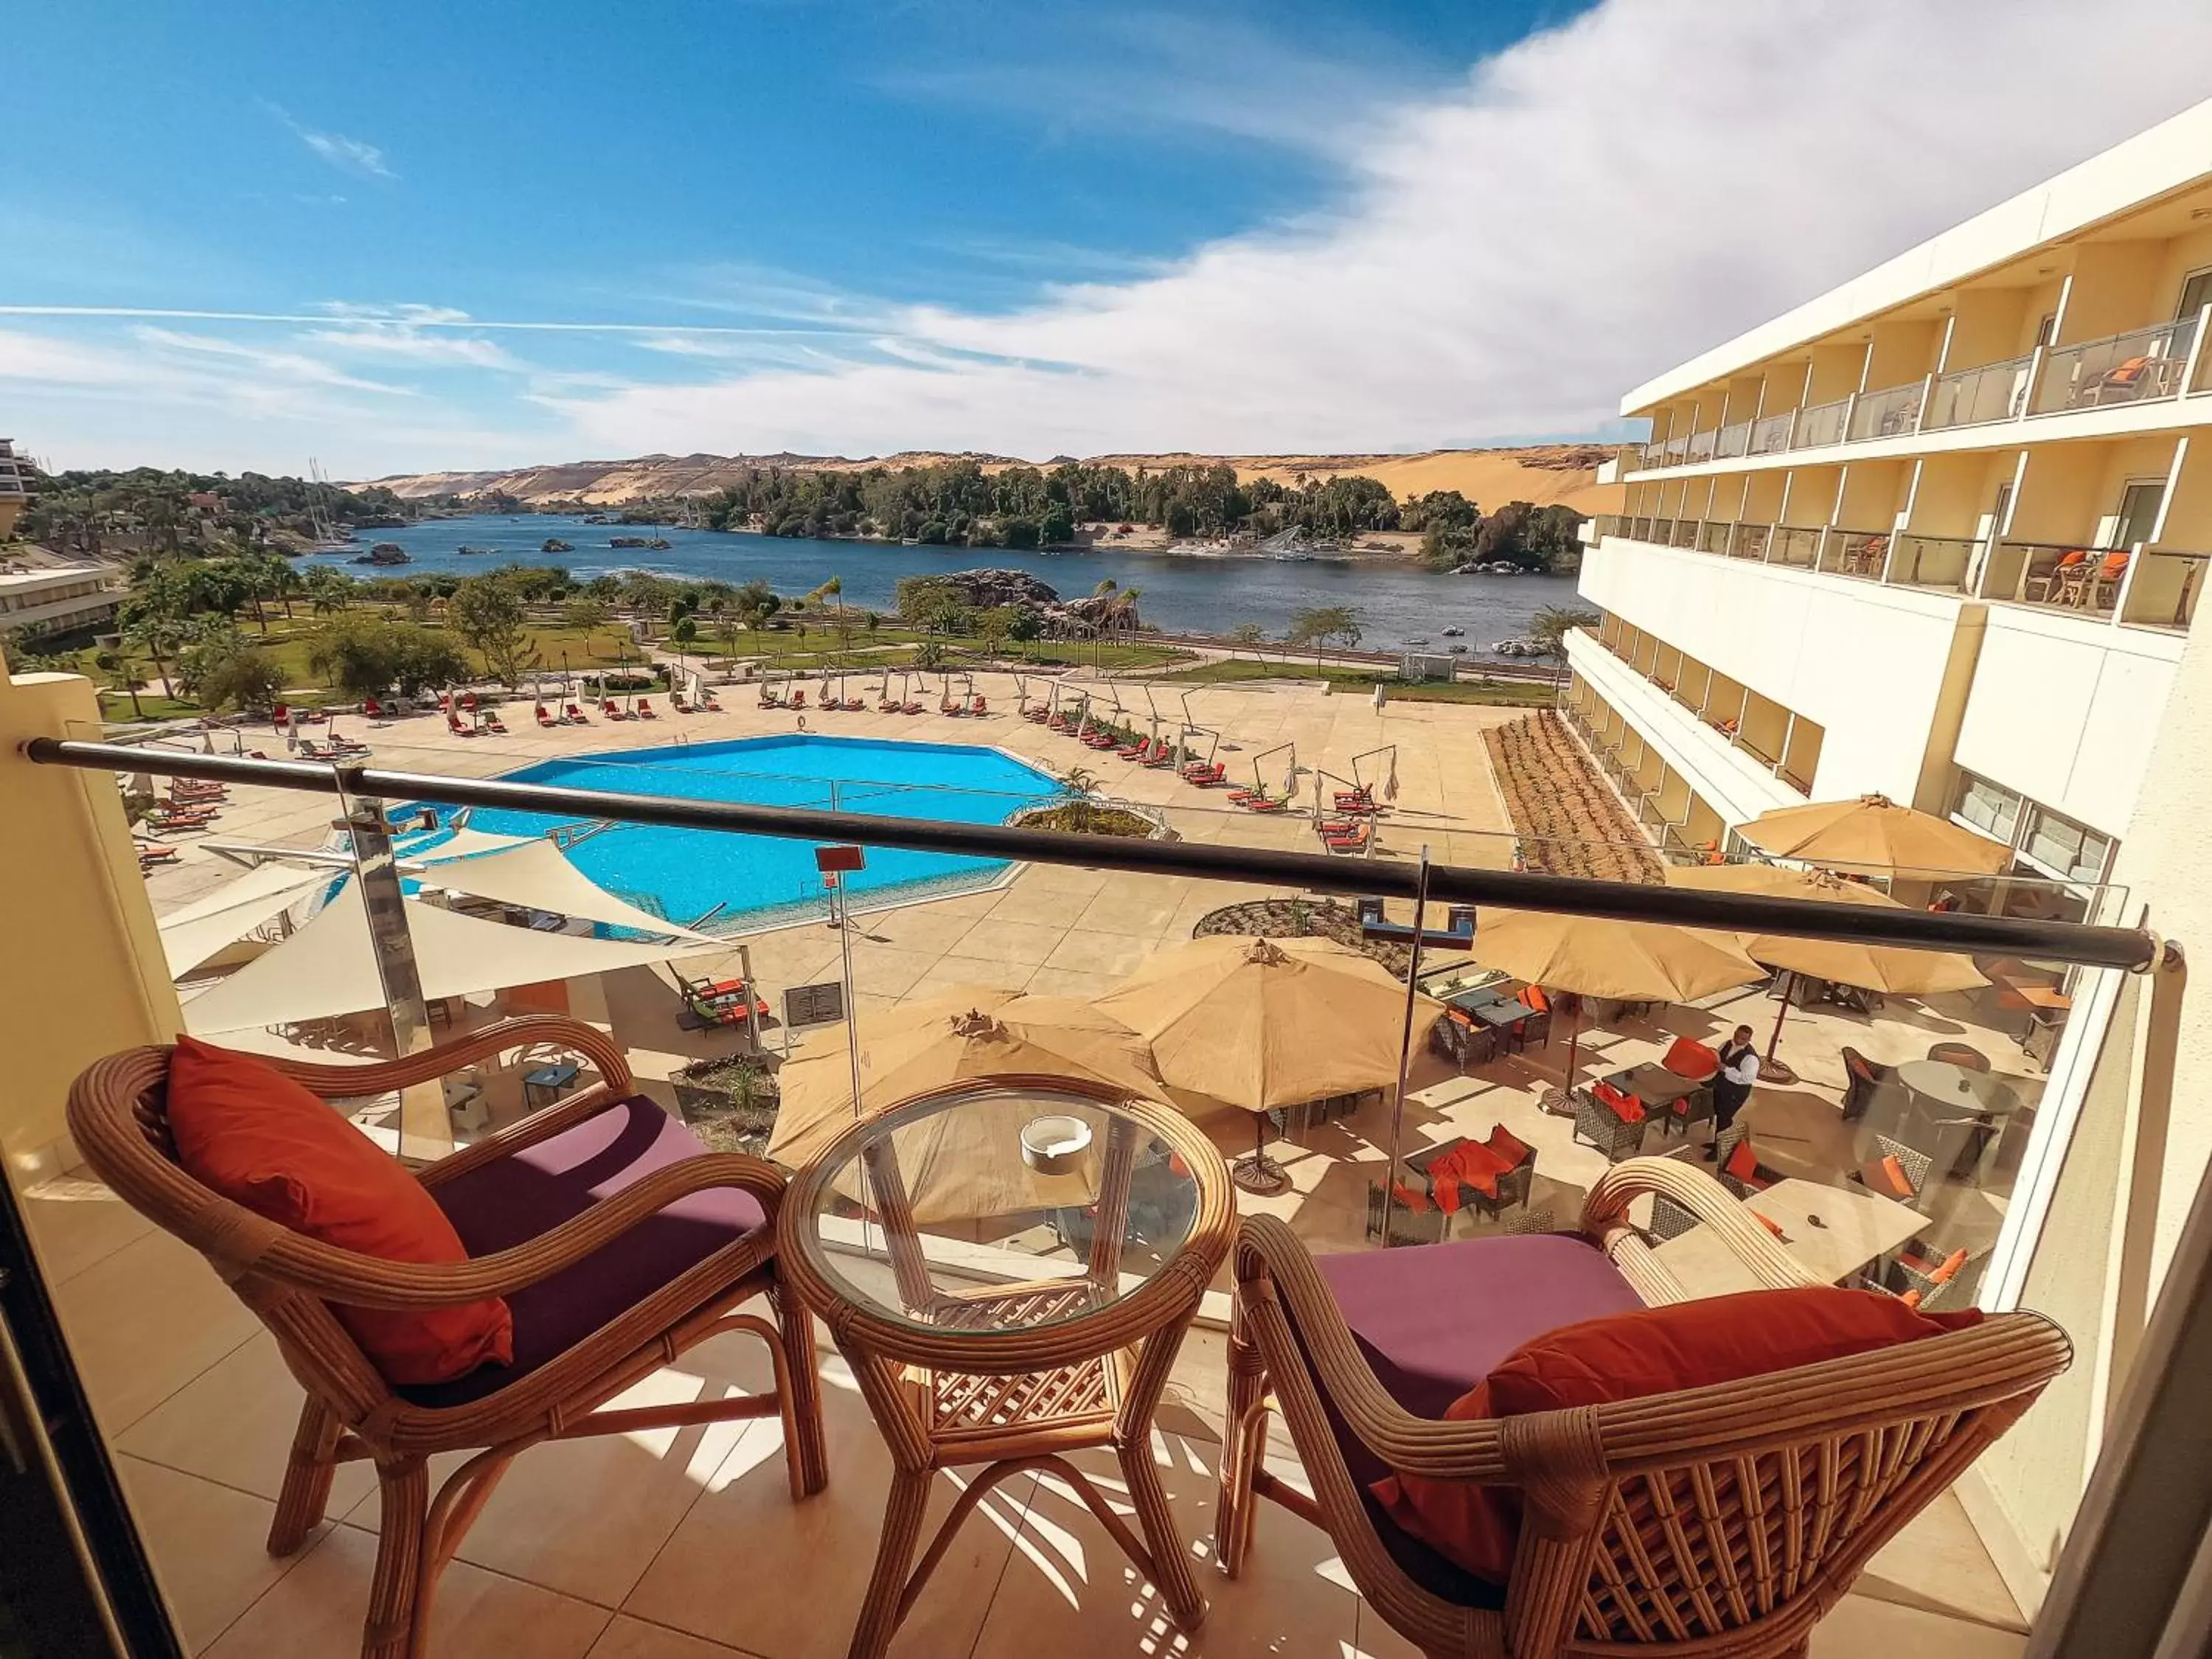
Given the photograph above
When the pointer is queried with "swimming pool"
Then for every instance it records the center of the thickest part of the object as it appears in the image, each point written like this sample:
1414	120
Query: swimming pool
689	874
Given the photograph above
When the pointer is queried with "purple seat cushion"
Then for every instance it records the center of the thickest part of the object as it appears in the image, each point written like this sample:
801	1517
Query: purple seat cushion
1433	1320
512	1199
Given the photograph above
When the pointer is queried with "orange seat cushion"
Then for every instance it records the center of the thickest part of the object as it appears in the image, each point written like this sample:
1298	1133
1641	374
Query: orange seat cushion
1692	1059
1743	1162
1508	1148
1630	1355
248	1132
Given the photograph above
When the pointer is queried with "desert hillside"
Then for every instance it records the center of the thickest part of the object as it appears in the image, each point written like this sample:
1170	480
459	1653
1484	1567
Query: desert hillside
1489	477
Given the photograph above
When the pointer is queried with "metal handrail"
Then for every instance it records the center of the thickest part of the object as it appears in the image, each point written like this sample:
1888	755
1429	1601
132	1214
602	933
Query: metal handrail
2133	948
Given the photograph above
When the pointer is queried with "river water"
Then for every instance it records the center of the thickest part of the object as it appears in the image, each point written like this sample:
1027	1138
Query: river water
1397	603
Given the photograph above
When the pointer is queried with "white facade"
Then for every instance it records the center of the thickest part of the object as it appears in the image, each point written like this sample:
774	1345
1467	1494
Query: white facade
55	600
1944	528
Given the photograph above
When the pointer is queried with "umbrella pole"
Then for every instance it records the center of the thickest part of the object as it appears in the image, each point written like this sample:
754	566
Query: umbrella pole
1771	1070
1259	1173
1406	1041
1561	1099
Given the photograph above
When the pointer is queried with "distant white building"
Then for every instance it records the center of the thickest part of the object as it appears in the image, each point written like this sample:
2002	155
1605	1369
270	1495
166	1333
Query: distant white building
14	496
56	599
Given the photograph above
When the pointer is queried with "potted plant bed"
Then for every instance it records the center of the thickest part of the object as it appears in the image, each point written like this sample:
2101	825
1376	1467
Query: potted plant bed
729	1102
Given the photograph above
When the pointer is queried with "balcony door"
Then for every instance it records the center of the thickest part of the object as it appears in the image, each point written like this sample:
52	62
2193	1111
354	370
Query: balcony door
2196	295
2138	513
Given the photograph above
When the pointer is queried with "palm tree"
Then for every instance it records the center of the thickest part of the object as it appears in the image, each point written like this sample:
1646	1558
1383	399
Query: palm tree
327	590
159	637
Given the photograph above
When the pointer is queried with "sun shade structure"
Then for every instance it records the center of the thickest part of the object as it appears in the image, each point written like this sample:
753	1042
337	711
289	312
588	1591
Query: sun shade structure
905	1053
1874	832
1889	968
1620	961
213	923
329	967
467	844
538	876
1266	1023
1886	968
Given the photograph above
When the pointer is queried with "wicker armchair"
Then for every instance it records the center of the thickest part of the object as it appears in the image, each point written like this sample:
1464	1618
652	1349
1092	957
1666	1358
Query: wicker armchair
1598	1125
1722	1520
605	1291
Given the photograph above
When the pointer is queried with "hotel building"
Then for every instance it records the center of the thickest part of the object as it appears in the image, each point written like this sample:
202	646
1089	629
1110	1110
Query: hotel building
1939	533
14	496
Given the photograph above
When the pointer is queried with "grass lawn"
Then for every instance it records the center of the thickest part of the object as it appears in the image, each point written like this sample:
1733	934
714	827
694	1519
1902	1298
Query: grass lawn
1360	683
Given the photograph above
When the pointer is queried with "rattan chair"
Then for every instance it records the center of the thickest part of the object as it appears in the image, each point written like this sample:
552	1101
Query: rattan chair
677	1286
1598	1125
1722	1521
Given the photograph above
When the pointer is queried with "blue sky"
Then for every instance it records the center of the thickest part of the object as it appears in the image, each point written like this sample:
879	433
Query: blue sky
757	224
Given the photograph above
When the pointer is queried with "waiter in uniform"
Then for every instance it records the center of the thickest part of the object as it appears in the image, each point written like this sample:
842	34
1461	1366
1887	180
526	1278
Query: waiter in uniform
1739	1071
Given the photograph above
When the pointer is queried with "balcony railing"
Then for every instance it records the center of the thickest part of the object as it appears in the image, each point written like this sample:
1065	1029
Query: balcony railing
1894	412
2090	581
2141	366
1943	562
1797	545
1972	397
1820	424
1772	434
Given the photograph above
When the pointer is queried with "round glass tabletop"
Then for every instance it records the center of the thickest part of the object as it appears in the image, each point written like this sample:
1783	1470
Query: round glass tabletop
998	1207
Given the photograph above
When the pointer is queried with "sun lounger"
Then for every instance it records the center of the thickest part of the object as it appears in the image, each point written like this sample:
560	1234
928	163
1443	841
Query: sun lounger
912	708
546	716
798	698
855	706
645	711
491	722
678	702
454	725
978	706
706	705
612	710
1355	842
575	715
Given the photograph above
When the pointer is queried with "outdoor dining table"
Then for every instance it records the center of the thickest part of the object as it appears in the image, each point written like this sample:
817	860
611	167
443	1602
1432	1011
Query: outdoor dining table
1655	1085
1970	1093
969	1354
1853	1228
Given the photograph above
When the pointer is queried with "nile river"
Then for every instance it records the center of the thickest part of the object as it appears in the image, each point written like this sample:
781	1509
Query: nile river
1397	602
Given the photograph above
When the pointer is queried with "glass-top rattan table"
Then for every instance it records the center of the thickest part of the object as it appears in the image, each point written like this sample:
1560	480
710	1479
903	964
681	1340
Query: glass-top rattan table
1009	1265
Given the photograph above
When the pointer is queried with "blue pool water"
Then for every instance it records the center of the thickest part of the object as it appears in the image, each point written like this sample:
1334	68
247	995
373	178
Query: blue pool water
683	874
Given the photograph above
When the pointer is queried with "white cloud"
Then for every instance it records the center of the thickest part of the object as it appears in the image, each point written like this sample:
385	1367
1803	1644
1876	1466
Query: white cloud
354	156
1589	206
404	343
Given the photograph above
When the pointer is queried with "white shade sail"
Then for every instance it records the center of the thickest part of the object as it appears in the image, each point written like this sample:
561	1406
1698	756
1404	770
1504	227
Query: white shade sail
329	967
212	923
467	844
538	876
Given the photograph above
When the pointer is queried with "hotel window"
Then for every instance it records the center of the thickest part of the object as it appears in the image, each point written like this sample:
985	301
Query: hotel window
2195	293
2077	852
1992	810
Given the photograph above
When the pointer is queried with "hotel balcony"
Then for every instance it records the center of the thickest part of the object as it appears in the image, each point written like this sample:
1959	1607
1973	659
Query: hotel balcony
2002	402
683	1540
2142	586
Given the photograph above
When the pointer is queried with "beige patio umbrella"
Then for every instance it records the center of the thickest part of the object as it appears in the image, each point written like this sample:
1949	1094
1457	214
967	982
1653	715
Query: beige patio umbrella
1890	969
1260	1024
1600	957
954	1038
1874	832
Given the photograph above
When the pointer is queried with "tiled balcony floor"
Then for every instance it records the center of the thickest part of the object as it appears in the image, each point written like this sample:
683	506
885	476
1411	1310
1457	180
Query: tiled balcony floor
685	1544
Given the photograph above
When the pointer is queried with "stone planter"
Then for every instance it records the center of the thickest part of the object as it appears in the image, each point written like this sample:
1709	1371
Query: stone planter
713	1098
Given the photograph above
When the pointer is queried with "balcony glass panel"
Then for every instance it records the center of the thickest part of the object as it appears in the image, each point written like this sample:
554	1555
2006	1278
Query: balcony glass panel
1993	392
1794	544
1820	424
1685	533
1770	433
1894	412
1701	446
1855	552
2075	578
1732	441
1750	541
2165	590
2140	367
1945	562
1713	536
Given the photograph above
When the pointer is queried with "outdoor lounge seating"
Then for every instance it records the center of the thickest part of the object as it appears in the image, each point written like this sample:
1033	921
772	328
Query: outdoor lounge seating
721	1002
618	1242
1737	1165
1863	1079
1658	1522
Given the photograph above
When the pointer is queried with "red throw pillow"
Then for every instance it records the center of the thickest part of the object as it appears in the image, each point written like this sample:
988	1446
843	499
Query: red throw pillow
251	1133
1743	1162
1625	1107
1687	1344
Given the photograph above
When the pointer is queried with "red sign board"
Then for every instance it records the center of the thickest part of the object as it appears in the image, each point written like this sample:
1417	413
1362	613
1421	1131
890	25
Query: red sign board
830	859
